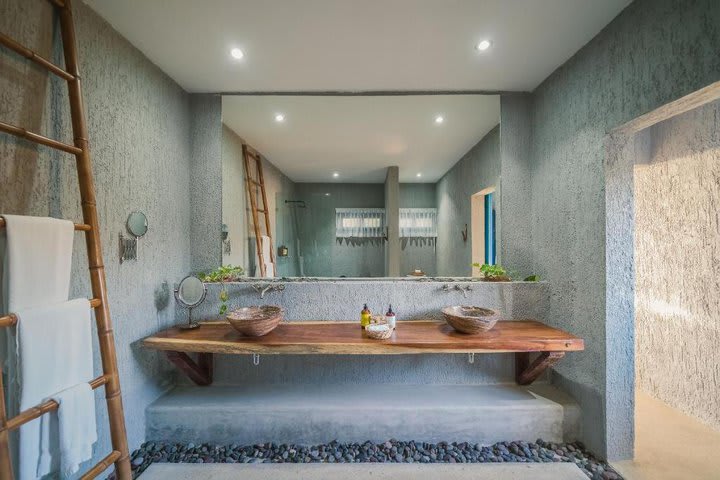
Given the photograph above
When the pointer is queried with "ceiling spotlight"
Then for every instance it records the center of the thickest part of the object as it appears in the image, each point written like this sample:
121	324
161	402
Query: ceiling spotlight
336	174
237	53
327	194
439	119
279	118
484	45
418	174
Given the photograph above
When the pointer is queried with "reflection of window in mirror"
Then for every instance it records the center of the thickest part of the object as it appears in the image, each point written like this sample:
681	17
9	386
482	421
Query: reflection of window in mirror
483	234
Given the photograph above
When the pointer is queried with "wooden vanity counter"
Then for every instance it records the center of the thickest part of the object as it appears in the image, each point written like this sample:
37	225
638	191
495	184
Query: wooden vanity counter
521	337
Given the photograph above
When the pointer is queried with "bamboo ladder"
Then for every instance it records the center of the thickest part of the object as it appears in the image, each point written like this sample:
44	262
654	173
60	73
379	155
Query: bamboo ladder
119	456
250	155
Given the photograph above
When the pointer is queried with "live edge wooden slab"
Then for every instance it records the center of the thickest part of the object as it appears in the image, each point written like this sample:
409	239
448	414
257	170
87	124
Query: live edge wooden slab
521	337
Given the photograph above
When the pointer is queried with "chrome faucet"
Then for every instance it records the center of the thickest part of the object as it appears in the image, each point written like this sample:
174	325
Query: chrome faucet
270	287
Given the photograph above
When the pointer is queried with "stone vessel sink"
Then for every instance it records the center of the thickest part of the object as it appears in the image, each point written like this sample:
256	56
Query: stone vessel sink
255	321
472	320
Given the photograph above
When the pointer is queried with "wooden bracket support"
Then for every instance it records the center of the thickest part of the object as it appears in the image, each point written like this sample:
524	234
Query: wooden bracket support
526	372
201	372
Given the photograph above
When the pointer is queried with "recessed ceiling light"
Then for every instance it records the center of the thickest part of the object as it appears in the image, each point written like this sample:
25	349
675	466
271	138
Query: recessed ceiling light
279	118
327	194
483	45
439	119
336	174
418	174
237	53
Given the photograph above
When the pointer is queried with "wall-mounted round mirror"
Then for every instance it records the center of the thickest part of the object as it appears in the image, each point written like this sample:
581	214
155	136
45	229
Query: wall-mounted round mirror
190	293
137	224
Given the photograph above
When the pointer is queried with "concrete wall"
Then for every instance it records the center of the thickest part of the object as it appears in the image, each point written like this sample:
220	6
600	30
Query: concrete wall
392	222
343	300
234	200
514	204
278	188
653	52
677	264
139	128
417	253
323	255
205	181
478	169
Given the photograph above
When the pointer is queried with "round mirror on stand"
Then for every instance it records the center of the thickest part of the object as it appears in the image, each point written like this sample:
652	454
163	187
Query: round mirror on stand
190	293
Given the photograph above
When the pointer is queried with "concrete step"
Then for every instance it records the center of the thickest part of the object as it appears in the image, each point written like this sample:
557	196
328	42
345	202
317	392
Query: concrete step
314	414
504	471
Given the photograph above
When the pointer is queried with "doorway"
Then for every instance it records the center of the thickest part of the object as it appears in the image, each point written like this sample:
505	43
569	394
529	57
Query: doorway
483	233
663	297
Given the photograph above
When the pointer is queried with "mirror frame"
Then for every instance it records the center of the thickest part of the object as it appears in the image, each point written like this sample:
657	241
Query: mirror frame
183	302
129	228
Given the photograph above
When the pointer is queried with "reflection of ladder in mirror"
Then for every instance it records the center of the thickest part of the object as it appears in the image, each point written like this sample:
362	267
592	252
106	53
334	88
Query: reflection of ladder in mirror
91	228
250	156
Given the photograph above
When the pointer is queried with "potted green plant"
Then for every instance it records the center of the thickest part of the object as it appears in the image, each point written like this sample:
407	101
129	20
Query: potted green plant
223	275
493	273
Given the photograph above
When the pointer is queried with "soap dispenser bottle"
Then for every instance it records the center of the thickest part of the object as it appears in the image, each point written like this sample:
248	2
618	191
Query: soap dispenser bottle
390	318
365	317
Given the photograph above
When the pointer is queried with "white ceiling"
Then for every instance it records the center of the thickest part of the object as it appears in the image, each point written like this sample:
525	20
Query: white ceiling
360	136
358	44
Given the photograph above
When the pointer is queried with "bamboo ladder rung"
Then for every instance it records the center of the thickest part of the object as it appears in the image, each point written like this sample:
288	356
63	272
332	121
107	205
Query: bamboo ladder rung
34	137
50	406
80	227
34	57
10	319
101	466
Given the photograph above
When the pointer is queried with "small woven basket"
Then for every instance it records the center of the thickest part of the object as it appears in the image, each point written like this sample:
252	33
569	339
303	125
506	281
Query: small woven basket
471	320
378	331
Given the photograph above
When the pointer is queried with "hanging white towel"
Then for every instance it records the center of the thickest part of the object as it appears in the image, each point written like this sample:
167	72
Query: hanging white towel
54	353
70	432
266	246
269	270
37	261
36	256
35	265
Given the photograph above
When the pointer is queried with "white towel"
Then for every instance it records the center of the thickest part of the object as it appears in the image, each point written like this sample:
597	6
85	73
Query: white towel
266	246
37	261
35	264
269	270
54	354
71	431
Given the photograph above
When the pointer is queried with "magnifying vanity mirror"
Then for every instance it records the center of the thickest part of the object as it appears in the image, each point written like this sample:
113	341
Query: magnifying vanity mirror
137	224
190	293
137	227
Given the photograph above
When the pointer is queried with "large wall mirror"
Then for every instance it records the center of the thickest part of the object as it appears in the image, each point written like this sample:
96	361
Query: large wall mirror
361	186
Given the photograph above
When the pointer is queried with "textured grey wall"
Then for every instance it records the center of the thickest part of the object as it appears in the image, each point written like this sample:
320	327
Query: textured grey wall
677	264
417	253
392	222
206	181
477	170
234	200
139	124
343	300
514	204
653	52
279	188
324	256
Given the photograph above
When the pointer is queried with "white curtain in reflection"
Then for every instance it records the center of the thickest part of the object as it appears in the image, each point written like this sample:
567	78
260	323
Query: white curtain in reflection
418	222
359	222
